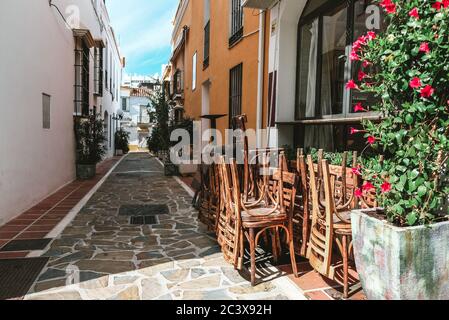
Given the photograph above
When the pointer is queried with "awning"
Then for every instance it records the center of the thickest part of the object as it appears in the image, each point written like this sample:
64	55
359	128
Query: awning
180	44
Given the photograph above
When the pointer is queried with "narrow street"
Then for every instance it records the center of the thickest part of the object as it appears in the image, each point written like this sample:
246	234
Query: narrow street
172	257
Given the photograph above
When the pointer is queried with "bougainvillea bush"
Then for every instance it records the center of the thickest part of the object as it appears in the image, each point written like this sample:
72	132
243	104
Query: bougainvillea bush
407	68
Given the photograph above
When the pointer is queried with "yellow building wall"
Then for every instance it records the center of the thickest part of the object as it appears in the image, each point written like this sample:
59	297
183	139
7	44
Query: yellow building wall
222	59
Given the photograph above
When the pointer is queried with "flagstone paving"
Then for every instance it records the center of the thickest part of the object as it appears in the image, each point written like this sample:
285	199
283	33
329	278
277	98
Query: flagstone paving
101	256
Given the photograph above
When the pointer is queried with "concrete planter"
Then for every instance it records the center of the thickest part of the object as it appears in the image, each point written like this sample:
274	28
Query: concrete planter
187	169
401	263
86	171
119	152
170	169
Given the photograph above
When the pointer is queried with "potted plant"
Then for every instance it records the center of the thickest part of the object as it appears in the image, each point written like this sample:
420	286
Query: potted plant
90	141
121	142
401	248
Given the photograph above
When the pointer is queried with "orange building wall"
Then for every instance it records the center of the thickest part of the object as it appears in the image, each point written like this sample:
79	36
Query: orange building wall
221	60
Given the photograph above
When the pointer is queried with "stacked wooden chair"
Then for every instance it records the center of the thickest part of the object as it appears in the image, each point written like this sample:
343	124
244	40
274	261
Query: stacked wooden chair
209	203
330	245
275	213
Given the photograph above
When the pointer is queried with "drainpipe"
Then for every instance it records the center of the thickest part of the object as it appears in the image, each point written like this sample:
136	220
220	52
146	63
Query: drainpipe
260	78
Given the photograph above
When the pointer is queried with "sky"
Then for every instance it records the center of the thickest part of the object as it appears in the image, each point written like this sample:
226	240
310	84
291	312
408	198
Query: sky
143	29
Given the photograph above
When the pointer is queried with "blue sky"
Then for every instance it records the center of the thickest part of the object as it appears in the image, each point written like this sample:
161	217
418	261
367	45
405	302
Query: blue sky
143	29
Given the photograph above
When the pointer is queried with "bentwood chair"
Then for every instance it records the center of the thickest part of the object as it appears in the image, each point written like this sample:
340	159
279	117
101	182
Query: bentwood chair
331	224
275	214
209	196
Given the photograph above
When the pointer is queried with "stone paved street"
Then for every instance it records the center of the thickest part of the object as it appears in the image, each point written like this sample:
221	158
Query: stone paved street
173	259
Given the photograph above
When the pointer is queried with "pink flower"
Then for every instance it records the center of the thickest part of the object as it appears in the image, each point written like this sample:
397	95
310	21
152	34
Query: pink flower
389	6
358	107
386	187
354	131
368	186
415	83
371	35
351	85
362	75
371	140
358	193
354	56
357	171
414	13
427	91
424	47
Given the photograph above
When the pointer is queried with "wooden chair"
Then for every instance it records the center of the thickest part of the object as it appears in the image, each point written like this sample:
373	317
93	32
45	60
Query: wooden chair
301	216
209	196
331	226
275	215
228	220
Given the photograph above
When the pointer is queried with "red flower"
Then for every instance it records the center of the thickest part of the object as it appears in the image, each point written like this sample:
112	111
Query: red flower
354	56
354	131
371	35
415	83
445	3
371	140
368	186
351	85
414	13
437	5
358	107
389	6
357	171
386	187
358	193
362	75
366	63
424	47
427	91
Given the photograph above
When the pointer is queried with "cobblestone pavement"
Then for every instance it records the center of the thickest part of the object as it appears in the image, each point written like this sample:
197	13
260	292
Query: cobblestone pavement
101	256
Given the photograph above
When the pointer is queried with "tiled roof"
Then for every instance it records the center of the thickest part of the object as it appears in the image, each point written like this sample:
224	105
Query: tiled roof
141	92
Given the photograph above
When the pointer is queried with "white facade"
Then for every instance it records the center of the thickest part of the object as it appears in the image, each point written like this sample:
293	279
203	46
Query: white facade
37	60
136	120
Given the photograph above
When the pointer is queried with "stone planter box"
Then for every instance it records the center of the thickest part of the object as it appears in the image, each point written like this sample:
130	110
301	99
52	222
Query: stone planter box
119	152
170	169
401	263
86	171
187	169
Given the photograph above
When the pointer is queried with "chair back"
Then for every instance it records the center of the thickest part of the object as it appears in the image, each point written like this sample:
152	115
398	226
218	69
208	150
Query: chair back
301	215
228	227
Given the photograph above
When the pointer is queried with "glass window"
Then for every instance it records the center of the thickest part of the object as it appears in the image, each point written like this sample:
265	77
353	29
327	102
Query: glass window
333	61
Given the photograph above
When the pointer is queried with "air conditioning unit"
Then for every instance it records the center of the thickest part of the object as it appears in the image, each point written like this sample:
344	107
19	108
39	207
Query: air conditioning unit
258	4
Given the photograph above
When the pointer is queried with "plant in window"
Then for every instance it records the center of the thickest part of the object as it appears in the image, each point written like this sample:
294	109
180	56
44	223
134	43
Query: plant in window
407	68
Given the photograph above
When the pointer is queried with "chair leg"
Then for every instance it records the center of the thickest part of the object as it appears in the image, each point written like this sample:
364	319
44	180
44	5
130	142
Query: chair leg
274	237
292	253
252	248
345	267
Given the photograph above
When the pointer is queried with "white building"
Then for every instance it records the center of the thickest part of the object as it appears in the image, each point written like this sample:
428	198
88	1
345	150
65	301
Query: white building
135	104
59	60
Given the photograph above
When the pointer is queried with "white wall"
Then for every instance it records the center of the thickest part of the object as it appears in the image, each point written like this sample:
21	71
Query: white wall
282	57
37	56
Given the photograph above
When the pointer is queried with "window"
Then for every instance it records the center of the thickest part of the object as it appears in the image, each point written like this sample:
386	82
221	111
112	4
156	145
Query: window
125	105
144	116
46	111
326	31
194	60
178	82
82	59
236	22
98	71
206	33
106	67
235	92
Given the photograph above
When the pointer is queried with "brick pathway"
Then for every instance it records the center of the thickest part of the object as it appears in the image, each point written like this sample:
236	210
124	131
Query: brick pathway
38	221
174	259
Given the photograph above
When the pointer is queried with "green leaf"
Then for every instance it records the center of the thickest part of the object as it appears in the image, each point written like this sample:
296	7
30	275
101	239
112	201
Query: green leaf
412	218
422	190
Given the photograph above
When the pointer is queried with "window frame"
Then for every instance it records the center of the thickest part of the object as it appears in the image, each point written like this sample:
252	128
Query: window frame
235	96
82	85
236	22
309	18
